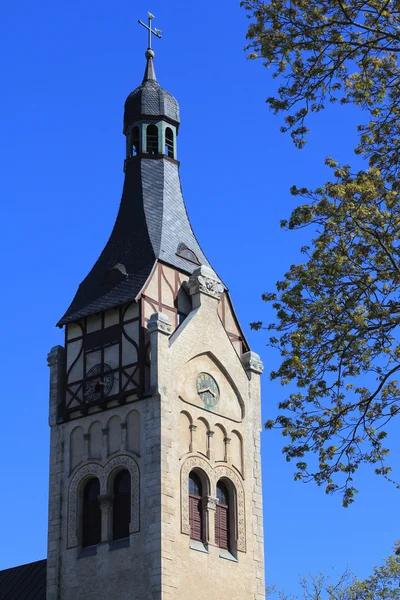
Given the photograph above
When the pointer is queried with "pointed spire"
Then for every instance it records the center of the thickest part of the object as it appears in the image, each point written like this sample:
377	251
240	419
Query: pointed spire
149	74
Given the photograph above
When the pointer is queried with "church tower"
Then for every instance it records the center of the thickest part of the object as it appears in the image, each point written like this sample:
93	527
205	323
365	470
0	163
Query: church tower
155	482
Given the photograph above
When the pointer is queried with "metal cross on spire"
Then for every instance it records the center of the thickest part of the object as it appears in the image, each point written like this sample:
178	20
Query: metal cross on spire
156	32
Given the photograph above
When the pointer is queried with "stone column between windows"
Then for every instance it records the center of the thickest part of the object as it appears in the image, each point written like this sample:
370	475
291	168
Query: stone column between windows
209	508
210	449
106	502
124	427
104	449
86	440
193	444
227	449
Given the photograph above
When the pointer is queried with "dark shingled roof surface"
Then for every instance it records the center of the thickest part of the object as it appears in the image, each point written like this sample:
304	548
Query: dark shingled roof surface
27	582
150	100
151	224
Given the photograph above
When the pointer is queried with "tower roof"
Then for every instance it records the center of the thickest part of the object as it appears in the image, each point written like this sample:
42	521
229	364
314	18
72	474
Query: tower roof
152	224
150	99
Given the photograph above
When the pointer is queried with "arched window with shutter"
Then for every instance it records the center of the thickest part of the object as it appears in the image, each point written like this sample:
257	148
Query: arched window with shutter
91	513
121	505
195	507
152	139
169	142
222	517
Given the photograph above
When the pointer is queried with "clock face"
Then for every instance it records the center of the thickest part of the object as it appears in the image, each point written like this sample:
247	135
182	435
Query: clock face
207	389
98	387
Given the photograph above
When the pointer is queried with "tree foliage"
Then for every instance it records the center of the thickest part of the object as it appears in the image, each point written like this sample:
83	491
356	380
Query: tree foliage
338	312
383	584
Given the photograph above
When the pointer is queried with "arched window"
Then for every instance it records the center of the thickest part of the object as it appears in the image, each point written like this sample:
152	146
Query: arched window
184	252
195	507
135	141
222	517
169	142
152	139
91	513
122	505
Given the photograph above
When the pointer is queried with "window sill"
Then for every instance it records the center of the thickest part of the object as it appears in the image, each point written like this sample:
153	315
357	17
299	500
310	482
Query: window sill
122	543
88	551
198	546
227	556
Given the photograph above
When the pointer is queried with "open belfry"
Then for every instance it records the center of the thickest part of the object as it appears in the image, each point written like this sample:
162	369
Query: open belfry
155	480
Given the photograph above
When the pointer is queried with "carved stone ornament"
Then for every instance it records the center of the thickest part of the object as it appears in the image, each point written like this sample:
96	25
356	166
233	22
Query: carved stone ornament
205	281
159	322
213	475
56	355
210	503
104	474
252	362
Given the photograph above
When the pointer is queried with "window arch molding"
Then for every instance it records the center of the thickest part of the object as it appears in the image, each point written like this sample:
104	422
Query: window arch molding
235	488
115	466
78	482
105	474
201	467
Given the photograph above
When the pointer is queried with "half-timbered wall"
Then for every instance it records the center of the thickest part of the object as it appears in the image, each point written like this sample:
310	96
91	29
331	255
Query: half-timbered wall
107	353
102	359
166	291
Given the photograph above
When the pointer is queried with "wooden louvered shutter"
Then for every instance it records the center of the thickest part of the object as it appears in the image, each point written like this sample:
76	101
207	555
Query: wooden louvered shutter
195	517
222	517
222	527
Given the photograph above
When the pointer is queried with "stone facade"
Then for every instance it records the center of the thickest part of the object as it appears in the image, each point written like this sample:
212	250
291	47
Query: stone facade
160	438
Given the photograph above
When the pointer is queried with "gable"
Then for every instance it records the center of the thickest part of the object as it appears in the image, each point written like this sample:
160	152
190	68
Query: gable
230	403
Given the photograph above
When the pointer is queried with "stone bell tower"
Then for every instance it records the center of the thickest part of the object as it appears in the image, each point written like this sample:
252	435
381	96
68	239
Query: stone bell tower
155	482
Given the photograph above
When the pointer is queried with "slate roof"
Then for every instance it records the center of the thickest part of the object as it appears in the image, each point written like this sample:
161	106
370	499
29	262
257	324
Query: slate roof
150	100
27	582
152	223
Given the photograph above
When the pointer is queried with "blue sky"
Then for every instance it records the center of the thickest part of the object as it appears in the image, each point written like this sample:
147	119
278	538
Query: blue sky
66	71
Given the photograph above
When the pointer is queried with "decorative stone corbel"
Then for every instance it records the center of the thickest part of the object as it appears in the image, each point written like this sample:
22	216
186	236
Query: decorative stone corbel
252	363
160	323
204	281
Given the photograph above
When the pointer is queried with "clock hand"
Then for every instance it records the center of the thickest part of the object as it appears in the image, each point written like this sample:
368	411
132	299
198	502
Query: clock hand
207	390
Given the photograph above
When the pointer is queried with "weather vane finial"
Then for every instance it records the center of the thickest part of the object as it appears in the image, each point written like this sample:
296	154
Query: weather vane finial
156	32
